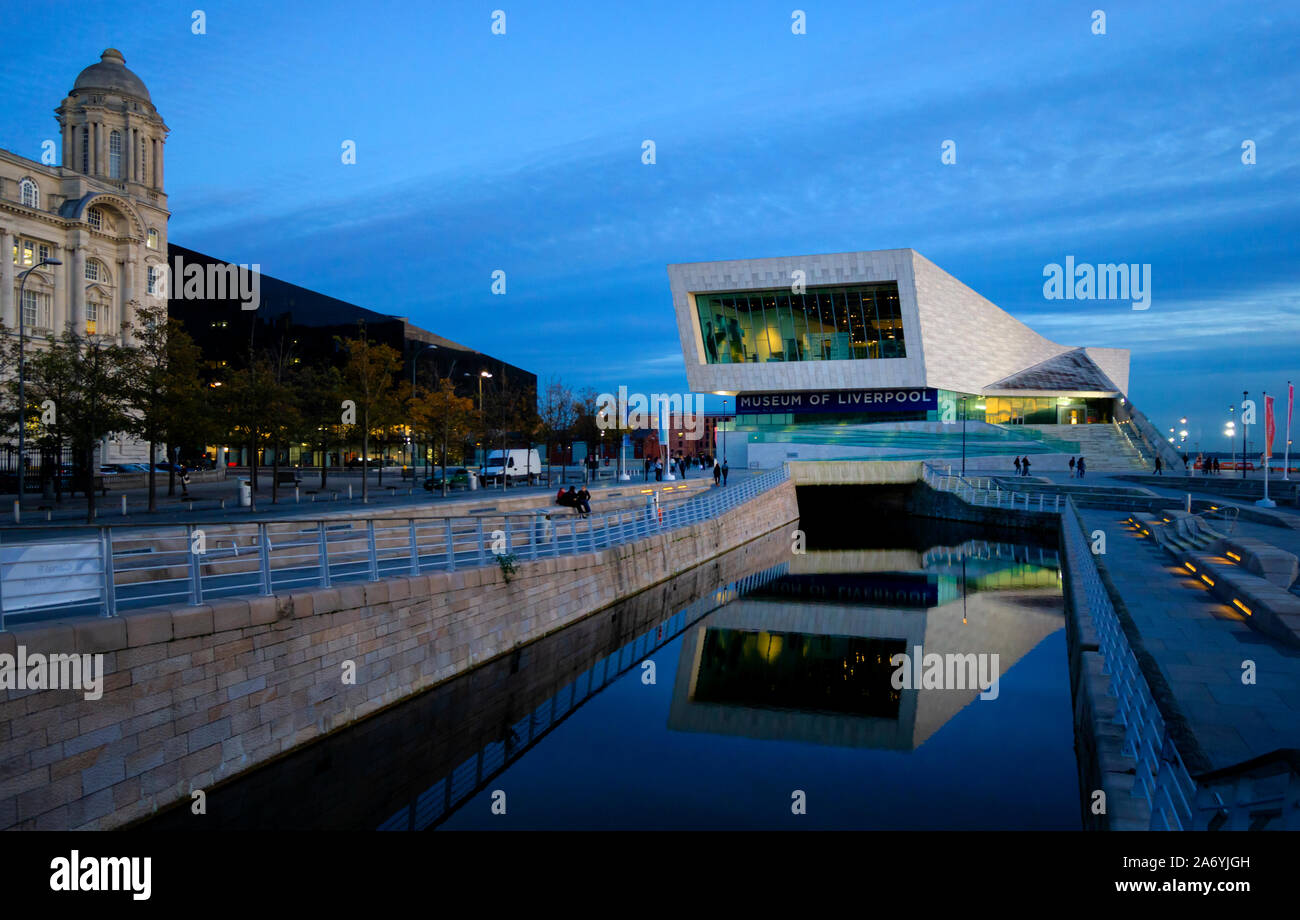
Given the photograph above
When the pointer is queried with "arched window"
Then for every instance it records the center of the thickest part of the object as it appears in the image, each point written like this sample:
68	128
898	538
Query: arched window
115	155
151	240
95	217
95	271
31	194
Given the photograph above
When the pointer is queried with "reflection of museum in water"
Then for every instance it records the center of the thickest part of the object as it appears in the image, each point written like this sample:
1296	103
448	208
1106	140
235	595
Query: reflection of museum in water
807	657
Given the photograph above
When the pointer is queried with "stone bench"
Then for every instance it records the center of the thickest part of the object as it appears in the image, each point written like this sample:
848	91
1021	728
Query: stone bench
1272	610
1274	565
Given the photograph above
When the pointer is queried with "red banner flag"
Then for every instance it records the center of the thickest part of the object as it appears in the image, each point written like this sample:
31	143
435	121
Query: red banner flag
1268	427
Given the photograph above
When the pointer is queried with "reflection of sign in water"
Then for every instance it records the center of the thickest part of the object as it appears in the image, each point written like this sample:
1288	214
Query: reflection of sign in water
886	590
49	574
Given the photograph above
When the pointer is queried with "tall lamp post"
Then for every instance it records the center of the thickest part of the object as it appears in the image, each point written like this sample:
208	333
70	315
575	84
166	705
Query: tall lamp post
723	421
963	434
481	375
22	368
1244	394
415	441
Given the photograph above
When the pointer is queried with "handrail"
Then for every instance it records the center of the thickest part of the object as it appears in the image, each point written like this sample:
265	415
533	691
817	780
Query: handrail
101	570
1161	777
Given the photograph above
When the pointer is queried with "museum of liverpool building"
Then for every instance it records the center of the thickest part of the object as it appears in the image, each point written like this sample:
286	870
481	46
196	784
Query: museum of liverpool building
863	354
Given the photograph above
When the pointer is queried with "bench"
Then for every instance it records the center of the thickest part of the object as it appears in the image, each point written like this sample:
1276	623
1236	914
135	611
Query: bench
1267	608
287	478
1274	565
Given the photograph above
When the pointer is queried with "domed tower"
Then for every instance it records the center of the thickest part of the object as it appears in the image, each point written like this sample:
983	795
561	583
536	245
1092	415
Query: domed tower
111	129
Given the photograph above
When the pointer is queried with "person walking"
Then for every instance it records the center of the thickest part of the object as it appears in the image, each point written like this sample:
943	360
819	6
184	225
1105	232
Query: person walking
1081	467
724	472
659	470
717	472
1024	467
1217	470
1017	464
1071	466
682	465
1159	465
185	481
646	465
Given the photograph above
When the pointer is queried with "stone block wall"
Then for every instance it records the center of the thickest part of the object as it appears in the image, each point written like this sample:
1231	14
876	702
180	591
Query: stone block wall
194	695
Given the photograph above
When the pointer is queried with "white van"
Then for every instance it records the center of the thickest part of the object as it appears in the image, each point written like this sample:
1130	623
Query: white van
520	466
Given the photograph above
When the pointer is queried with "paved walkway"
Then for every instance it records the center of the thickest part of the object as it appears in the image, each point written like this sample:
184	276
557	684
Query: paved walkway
1200	645
173	510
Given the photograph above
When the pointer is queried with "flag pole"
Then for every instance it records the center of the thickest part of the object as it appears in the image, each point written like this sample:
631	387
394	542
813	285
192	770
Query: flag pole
1286	448
1266	502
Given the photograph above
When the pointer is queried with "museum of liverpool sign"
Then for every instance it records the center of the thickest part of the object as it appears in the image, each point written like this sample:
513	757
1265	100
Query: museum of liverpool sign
902	399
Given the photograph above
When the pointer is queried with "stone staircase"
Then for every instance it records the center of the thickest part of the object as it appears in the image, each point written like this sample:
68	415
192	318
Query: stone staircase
1106	450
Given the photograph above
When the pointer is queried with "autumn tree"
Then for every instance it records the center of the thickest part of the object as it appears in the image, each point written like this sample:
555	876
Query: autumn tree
444	416
165	390
370	384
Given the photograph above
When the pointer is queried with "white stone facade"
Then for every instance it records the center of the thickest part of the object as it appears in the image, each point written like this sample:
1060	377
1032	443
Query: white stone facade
955	339
102	212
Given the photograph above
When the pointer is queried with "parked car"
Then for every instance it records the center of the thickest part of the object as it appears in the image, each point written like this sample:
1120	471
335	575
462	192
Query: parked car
457	478
374	463
519	466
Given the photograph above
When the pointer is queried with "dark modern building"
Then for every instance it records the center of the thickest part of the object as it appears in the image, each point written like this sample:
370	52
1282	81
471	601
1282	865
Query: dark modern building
232	314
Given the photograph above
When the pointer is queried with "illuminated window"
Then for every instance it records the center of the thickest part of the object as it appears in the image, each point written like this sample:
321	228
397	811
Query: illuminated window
92	316
822	324
29	252
152	239
95	217
31	195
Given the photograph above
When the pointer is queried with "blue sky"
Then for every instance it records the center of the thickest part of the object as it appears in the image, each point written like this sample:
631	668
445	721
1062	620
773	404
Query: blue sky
522	152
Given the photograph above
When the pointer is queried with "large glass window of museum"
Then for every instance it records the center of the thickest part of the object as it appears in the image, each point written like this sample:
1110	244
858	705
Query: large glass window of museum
861	321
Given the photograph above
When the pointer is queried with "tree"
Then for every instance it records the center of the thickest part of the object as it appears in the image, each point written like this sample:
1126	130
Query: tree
252	400
82	380
586	428
164	389
49	384
556	414
444	415
318	392
369	382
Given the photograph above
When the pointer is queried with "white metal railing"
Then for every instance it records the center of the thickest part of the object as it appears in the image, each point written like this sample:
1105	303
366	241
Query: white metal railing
101	570
985	491
1161	776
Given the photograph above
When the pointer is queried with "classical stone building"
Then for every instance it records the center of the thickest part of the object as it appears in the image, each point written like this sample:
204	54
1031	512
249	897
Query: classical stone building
102	212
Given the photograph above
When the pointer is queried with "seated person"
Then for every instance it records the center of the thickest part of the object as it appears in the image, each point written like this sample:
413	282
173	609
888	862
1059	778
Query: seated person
584	501
568	499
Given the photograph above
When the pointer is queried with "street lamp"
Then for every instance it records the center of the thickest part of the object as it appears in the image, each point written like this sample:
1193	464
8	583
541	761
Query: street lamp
1244	426
481	375
723	421
22	366
963	434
